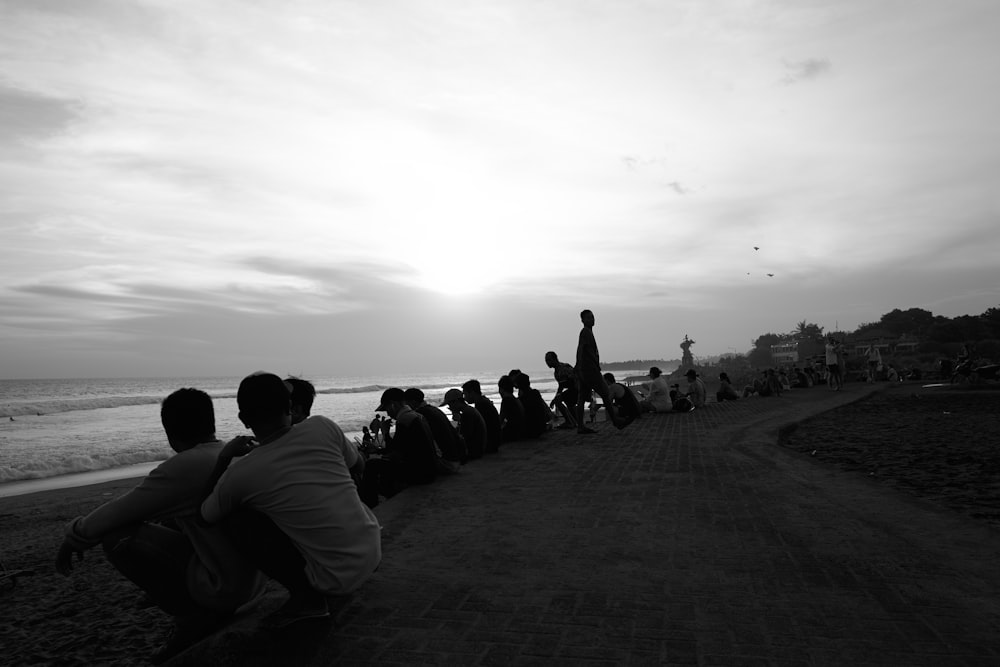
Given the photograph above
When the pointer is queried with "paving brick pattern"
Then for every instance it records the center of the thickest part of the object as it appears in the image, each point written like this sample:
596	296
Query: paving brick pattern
683	540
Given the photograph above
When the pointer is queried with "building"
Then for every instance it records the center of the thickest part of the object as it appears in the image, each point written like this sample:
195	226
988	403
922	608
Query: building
795	352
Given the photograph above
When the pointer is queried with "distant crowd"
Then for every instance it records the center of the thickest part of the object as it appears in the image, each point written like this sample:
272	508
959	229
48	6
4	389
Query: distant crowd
293	501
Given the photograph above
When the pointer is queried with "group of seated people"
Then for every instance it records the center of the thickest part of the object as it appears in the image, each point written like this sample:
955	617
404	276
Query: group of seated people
775	382
657	396
201	532
425	443
293	502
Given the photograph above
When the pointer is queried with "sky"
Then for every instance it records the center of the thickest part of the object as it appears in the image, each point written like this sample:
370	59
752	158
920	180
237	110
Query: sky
336	187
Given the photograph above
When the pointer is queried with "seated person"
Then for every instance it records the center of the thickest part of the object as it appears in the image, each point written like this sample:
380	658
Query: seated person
799	379
410	455
512	420
303	394
766	385
772	385
679	402
470	423
154	536
656	397
449	441
726	391
786	384
696	391
537	416
290	505
473	393
623	397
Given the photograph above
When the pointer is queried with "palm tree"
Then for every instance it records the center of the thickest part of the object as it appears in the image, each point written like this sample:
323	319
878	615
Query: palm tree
807	331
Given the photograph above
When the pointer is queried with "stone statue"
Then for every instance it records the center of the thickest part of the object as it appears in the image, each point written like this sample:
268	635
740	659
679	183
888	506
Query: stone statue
687	359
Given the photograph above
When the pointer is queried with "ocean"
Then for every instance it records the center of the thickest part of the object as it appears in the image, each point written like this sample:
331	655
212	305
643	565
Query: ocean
78	431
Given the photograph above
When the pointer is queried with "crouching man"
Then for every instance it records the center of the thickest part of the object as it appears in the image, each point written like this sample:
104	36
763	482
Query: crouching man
290	505
154	536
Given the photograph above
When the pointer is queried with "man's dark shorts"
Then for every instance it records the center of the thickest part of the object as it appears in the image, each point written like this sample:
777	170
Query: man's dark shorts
592	381
833	368
569	396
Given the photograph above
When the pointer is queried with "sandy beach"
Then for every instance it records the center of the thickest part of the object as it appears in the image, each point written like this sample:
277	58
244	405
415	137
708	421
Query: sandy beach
934	443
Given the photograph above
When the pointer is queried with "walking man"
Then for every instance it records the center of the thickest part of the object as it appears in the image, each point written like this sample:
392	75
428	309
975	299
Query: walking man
588	373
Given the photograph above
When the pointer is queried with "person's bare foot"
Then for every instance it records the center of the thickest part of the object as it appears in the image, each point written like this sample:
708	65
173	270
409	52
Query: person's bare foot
583	430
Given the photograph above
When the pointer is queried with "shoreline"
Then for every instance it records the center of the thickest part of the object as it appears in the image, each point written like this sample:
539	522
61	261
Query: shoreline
74	480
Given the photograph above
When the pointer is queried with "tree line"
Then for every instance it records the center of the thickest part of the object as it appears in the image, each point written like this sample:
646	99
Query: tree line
937	335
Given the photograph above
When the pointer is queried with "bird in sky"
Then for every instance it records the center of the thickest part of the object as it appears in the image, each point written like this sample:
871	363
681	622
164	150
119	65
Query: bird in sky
756	248
770	275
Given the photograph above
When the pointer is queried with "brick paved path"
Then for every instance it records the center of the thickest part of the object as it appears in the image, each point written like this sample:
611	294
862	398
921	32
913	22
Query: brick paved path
685	539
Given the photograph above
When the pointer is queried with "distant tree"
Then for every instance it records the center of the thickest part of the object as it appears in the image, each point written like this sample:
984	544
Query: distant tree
989	350
966	328
991	320
914	321
973	327
866	328
807	331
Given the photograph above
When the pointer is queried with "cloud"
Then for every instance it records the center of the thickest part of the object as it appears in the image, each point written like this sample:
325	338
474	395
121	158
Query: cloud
27	118
805	70
345	172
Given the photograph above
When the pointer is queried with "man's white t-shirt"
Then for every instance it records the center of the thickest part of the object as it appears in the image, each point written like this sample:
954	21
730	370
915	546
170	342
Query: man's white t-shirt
302	483
659	394
831	354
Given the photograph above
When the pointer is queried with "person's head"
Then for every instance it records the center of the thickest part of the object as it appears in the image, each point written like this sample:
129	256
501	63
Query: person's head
303	395
691	375
413	397
587	317
522	382
188	418
551	359
505	385
724	376
514	374
264	400
454	399
393	400
609	378
655	372
472	390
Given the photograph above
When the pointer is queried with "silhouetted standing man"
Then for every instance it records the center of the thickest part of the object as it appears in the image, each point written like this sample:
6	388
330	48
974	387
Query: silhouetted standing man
588	372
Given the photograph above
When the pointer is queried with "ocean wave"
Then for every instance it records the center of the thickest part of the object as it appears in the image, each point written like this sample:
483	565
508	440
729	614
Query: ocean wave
79	463
371	388
353	390
46	407
52	406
